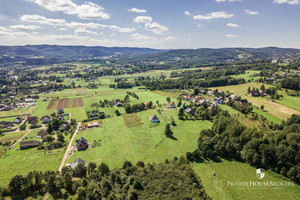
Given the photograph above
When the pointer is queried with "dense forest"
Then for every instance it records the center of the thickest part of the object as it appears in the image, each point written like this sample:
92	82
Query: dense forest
277	150
170	180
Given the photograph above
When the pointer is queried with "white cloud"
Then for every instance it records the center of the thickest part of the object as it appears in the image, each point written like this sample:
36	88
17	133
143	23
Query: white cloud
24	27
88	10
187	13
43	20
84	31
249	12
136	10
213	15
147	41
232	25
228	0
63	23
156	28
231	36
149	25
291	2
142	19
63	29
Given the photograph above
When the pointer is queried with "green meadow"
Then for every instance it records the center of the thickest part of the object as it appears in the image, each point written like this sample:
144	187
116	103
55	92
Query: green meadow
216	175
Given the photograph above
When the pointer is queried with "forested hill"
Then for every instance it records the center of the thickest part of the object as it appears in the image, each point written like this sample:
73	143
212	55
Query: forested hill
70	52
207	55
180	56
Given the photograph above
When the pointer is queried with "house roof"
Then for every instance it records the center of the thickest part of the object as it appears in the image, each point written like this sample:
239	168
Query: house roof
81	140
28	143
153	117
76	162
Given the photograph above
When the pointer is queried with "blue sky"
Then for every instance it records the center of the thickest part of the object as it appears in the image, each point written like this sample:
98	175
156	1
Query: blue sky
151	23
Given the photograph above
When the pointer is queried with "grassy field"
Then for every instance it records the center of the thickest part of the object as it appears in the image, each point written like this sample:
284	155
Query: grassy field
269	117
20	162
9	137
248	75
280	110
140	141
216	185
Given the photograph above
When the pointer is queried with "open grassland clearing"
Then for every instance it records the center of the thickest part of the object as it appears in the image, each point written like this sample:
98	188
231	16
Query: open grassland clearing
289	101
141	142
248	75
11	136
215	177
273	108
20	162
131	120
17	111
268	116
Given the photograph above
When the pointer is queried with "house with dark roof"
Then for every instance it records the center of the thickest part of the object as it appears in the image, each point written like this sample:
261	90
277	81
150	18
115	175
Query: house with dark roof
18	120
41	133
153	119
94	114
119	104
76	162
28	144
82	144
243	101
46	119
32	120
60	110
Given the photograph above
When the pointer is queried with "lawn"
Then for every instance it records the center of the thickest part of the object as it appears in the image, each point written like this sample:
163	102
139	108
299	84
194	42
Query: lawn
216	185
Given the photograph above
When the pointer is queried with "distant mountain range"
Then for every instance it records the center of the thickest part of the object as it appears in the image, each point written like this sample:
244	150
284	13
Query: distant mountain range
70	52
202	55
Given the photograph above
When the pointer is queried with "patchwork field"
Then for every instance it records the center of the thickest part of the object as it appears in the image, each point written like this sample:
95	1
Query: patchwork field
63	103
77	102
52	104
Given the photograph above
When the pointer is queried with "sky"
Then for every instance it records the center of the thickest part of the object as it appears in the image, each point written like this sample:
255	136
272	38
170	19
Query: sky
161	24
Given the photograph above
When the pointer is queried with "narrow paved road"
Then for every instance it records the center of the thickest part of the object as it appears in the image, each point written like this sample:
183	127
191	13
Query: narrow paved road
68	149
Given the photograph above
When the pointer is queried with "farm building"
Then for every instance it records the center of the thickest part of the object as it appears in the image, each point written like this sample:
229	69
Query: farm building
28	144
76	162
18	120
153	119
209	92
81	144
119	104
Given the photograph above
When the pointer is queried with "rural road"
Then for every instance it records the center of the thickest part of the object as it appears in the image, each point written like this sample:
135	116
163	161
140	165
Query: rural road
68	149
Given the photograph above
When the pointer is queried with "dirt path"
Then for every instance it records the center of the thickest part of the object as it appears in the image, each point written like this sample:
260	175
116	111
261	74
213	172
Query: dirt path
68	149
